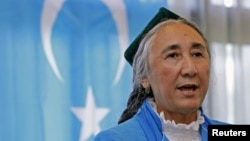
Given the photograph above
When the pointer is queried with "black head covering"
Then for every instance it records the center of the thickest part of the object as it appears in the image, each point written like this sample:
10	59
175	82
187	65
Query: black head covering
161	15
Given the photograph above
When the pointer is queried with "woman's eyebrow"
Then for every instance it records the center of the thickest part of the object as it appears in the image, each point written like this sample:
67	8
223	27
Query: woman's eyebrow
171	47
198	46
176	47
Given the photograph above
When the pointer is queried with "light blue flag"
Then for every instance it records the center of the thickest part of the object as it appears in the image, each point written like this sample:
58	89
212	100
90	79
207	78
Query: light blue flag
63	76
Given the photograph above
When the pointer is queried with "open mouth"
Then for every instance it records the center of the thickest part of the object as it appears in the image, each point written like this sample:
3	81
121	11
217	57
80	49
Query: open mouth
188	87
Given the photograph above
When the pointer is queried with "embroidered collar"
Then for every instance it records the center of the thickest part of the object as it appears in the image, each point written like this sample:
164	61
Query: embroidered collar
178	132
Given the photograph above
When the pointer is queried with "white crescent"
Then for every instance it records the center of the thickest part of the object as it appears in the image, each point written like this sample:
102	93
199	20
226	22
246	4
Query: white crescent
50	11
118	11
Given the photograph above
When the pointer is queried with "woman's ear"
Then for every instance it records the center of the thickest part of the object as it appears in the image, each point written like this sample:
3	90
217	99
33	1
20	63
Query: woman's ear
145	83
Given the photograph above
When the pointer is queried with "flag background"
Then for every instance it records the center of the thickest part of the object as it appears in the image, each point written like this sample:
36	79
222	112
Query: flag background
63	76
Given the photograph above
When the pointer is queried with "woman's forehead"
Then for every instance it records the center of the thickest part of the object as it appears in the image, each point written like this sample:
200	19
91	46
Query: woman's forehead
177	28
177	32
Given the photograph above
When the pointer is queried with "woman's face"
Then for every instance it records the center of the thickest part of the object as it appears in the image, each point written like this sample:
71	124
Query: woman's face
179	69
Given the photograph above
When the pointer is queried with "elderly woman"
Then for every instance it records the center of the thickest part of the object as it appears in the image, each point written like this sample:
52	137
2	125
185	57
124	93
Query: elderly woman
171	71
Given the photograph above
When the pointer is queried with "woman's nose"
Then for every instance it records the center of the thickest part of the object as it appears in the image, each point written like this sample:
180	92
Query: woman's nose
188	67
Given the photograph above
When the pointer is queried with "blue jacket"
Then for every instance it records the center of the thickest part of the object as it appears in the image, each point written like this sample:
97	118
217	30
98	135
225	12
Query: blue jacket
145	125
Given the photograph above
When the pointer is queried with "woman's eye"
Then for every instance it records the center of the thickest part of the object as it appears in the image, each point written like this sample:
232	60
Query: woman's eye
197	54
172	55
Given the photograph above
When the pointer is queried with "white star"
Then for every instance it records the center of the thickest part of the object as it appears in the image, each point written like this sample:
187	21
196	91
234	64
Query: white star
90	116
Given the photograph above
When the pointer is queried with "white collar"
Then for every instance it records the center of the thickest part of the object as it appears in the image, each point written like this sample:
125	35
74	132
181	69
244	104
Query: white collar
180	132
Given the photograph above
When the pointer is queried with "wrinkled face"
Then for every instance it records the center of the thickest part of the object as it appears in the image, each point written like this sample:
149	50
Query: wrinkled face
179	68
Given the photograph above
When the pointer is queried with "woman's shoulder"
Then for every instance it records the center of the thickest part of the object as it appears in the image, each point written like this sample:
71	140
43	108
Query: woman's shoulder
212	121
218	122
128	130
